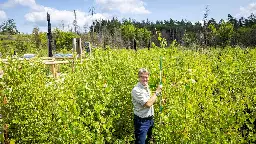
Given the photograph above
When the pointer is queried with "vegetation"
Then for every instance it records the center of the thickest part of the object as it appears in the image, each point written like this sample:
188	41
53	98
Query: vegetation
122	34
232	32
210	97
209	77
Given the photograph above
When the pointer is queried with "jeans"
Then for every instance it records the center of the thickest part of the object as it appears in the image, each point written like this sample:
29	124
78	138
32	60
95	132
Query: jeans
142	129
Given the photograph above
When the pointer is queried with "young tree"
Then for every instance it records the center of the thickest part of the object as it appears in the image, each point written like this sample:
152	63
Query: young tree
36	37
213	34
205	25
8	27
225	33
128	33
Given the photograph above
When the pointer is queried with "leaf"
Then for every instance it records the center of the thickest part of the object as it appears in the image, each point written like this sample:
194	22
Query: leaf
187	87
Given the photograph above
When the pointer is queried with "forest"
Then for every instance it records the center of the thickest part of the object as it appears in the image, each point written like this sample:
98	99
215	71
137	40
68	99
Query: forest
126	33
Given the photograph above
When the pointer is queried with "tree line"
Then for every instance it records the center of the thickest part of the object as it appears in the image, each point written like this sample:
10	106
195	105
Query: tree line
127	33
231	32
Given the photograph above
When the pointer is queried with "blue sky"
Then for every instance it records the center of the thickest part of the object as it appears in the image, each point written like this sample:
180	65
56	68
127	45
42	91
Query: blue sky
32	13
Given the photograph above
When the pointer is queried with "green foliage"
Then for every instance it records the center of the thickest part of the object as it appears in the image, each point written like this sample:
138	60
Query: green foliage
146	36
36	42
210	97
221	35
36	37
117	33
153	45
225	33
23	43
162	41
246	36
139	34
8	27
128	32
174	44
190	39
64	39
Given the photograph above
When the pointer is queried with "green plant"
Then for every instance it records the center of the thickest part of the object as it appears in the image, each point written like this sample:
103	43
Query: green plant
162	41
210	97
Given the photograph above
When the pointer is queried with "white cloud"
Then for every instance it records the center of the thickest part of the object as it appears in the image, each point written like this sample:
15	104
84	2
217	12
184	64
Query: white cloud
124	6
27	3
247	11
38	14
63	16
2	15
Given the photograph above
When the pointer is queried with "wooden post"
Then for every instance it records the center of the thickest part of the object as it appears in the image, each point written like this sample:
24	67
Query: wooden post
6	139
53	66
49	35
74	54
77	48
74	46
134	44
53	70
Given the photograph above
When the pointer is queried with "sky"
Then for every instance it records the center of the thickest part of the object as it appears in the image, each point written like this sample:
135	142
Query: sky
29	14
